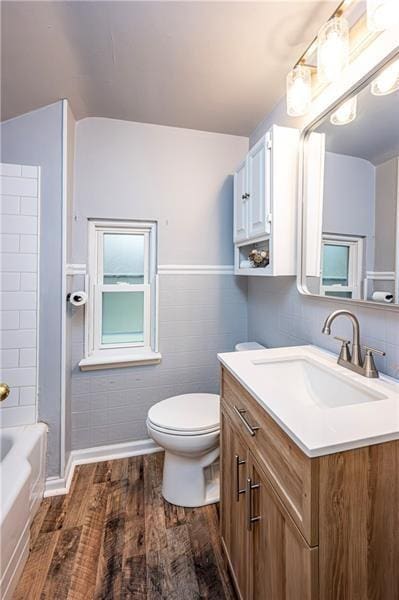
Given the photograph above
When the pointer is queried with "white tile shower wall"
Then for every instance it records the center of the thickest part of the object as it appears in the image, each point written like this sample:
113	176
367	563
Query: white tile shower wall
279	316
199	316
19	203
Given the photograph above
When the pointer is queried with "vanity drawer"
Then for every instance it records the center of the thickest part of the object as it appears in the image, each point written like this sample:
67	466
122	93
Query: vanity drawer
292	474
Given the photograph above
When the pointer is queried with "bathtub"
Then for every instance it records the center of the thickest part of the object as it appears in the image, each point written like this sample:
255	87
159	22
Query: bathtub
22	477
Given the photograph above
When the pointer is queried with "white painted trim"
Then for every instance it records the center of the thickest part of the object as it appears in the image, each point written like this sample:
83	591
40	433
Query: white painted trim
381	275
38	279
196	269
76	269
57	486
118	360
64	208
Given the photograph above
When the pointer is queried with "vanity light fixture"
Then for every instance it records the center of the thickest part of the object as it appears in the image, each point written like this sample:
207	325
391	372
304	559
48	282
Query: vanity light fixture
299	90
332	46
332	49
345	113
382	14
388	81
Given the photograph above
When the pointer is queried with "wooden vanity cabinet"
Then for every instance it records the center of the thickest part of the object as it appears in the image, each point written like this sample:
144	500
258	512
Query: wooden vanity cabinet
296	528
268	558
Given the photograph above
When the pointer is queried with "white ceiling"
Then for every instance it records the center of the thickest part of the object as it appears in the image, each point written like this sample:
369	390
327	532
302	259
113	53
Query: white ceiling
214	66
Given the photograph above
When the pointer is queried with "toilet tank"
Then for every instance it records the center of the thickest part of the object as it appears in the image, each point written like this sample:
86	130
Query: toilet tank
242	346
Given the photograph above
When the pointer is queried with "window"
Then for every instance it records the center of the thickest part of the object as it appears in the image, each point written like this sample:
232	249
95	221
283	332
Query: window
342	258
121	315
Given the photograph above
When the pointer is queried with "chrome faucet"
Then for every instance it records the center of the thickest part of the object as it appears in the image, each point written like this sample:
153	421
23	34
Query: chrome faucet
353	361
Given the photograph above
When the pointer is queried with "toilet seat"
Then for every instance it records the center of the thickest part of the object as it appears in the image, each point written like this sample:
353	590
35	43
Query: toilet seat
188	414
181	432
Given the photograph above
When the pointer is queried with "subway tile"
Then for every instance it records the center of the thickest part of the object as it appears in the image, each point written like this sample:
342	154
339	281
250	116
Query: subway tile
24	263
18	415
11	401
28	282
27	395
19	377
29	171
9	242
19	186
10	170
9	205
28	244
22	224
27	357
18	300
28	206
27	319
9	319
10	282
9	358
18	339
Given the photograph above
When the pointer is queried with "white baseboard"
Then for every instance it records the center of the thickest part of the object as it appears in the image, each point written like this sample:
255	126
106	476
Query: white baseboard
57	486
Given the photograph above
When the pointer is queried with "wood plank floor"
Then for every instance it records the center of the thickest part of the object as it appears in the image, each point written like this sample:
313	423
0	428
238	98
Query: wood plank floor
113	537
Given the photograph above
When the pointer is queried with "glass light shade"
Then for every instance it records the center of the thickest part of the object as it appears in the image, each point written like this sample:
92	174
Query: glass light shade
345	113
299	91
382	14
332	49
388	81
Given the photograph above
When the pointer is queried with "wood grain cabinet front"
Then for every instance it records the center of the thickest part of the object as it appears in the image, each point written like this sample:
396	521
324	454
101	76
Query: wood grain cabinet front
300	528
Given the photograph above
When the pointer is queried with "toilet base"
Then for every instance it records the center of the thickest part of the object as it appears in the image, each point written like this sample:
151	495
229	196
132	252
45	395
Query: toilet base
191	482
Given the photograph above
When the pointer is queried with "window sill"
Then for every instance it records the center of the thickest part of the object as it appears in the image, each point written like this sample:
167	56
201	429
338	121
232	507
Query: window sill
96	362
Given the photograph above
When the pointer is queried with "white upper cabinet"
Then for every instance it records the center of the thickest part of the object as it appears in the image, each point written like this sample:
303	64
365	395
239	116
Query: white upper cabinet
265	199
241	203
258	170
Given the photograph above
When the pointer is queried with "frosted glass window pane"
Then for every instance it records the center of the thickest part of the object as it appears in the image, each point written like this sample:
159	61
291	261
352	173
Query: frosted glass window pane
123	258
335	264
123	318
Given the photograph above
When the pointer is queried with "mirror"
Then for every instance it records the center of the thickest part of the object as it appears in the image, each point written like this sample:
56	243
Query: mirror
350	241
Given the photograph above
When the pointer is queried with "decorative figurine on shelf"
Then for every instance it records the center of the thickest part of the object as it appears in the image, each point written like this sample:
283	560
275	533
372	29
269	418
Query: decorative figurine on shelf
259	258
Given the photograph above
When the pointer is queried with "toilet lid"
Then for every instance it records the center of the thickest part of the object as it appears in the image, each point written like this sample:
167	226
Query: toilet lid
189	412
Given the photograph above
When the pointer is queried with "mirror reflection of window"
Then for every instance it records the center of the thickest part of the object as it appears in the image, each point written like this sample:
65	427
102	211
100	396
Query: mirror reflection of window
341	273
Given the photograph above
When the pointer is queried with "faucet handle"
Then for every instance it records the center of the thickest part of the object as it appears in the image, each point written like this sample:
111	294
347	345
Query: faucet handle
370	350
345	354
341	339
370	370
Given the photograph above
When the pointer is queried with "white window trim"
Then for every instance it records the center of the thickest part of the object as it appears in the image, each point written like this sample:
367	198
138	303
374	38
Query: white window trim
355	264
98	355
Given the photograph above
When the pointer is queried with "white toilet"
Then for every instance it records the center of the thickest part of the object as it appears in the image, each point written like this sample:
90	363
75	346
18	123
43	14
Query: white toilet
188	427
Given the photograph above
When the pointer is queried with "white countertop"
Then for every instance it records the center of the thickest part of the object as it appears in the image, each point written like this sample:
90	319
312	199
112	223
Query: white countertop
318	428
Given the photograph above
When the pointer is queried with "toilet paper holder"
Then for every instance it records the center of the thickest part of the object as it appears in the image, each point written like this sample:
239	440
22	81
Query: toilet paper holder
78	298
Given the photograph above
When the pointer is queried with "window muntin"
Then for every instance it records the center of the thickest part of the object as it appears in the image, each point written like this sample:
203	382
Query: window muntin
123	288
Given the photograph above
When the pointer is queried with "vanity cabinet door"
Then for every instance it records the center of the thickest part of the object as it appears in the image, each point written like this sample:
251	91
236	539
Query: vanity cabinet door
283	566
241	203
259	188
233	525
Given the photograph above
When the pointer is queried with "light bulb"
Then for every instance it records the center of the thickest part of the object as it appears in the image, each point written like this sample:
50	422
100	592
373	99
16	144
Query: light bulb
345	113
299	91
382	14
332	49
387	82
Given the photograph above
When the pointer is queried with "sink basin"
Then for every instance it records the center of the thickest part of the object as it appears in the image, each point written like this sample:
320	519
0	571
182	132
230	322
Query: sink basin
304	381
323	407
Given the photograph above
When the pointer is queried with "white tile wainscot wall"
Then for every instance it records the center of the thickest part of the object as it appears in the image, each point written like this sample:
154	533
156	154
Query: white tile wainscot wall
199	315
19	247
